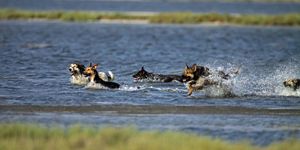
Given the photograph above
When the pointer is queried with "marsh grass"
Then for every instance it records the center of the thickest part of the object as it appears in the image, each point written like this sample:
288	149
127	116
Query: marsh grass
26	136
162	18
78	16
190	18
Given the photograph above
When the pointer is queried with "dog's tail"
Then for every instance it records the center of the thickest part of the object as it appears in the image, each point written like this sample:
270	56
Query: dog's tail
111	76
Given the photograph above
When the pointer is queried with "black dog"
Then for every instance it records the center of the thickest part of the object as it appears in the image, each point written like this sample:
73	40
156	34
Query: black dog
152	77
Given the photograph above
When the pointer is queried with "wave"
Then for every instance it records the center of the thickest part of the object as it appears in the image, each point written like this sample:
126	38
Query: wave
265	83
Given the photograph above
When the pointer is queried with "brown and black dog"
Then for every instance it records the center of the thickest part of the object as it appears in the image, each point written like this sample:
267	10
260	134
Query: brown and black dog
196	77
292	83
94	77
195	71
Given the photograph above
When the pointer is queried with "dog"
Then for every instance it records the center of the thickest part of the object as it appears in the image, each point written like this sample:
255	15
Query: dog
77	77
143	75
197	77
292	83
195	72
95	78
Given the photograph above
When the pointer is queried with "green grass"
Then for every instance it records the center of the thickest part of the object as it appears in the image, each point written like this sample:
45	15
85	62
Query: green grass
162	18
79	16
190	18
31	137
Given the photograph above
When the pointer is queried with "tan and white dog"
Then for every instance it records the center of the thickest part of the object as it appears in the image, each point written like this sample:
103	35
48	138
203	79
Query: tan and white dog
77	76
292	83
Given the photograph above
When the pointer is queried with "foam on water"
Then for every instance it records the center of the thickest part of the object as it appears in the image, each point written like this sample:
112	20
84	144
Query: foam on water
79	81
93	85
167	89
266	83
131	88
250	82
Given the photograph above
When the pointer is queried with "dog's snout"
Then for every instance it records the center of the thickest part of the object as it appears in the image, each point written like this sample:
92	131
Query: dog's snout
70	69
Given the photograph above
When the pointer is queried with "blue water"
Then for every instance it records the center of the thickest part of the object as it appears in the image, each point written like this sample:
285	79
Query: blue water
35	57
154	6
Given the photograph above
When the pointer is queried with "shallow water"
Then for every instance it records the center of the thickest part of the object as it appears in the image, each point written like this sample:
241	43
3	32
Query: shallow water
153	6
34	71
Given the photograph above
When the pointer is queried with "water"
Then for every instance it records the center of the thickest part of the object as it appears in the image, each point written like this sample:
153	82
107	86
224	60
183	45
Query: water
154	6
35	57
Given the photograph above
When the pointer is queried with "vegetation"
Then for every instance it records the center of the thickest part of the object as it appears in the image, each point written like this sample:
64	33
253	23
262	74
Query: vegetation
167	18
13	14
18	136
190	18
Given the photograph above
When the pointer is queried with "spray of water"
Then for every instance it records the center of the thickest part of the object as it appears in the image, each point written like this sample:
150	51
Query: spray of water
253	81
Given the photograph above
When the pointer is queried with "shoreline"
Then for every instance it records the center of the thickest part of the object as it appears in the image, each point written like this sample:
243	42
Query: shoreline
177	18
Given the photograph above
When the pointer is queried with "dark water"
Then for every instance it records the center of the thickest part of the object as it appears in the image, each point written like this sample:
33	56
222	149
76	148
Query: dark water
35	57
153	6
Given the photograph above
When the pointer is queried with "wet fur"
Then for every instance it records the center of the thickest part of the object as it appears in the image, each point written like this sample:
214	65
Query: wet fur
94	77
292	83
144	75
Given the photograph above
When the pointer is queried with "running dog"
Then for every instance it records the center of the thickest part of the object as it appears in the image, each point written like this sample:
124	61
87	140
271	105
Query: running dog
142	75
94	77
77	77
292	83
195	72
197	77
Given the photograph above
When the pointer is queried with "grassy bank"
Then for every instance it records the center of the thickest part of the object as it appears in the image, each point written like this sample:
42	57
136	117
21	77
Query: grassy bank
18	136
162	18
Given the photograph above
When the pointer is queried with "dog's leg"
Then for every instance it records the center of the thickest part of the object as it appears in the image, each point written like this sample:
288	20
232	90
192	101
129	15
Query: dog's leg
190	91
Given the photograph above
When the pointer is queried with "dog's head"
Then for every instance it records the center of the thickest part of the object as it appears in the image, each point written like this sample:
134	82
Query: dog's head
76	69
189	72
194	72
142	74
292	83
90	70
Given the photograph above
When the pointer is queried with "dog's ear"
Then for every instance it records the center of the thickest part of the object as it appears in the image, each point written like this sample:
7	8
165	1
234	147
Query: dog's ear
90	64
142	68
194	67
186	66
95	66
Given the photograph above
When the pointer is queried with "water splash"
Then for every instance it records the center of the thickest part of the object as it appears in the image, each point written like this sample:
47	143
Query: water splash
252	80
79	81
93	85
131	88
266	82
